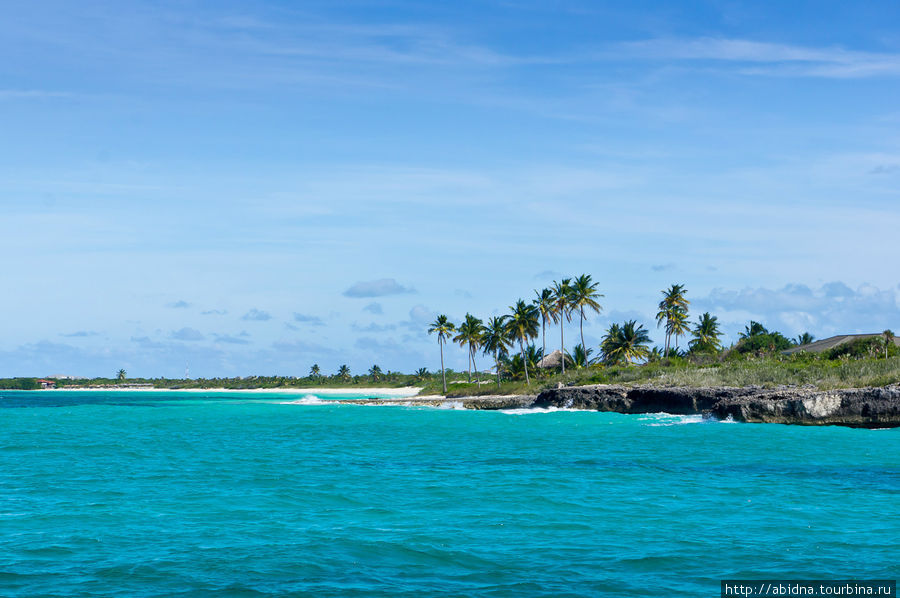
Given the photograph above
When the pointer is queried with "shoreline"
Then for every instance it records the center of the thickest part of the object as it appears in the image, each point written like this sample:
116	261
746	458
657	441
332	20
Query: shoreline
404	391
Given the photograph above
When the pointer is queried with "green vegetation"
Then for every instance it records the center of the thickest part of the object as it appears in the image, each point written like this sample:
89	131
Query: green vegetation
625	354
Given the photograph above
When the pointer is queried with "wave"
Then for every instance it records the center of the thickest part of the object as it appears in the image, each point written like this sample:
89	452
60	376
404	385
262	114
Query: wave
537	410
671	419
306	400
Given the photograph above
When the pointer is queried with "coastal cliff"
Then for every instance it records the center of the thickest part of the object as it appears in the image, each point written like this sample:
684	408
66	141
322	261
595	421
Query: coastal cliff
857	407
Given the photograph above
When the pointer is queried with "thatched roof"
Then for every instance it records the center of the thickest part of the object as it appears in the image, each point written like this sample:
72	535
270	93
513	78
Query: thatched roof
832	342
552	360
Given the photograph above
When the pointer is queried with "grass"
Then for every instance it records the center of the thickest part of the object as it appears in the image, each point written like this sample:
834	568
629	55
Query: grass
768	372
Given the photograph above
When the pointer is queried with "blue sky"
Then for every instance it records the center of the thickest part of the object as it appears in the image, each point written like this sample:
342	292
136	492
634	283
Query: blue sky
250	188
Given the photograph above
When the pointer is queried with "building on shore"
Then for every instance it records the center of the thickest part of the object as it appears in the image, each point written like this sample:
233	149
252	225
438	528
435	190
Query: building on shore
831	342
47	383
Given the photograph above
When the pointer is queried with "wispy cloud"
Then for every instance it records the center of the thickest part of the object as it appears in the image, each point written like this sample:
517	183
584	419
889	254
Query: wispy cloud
187	334
213	312
374	308
234	340
308	319
256	315
377	288
762	58
180	304
39	94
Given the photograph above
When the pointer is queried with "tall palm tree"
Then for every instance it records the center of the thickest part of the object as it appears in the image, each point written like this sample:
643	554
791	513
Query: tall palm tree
375	373
443	327
584	294
120	376
804	339
674	305
470	332
314	371
544	303
562	294
888	337
496	340
344	373
706	334
522	325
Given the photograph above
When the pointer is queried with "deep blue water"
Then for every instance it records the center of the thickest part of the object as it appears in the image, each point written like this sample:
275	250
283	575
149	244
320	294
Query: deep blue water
146	494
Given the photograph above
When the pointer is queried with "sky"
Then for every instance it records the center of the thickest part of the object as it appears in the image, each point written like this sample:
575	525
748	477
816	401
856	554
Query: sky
250	188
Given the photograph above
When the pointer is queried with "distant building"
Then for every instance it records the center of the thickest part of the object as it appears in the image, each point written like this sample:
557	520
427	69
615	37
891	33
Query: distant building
47	383
833	341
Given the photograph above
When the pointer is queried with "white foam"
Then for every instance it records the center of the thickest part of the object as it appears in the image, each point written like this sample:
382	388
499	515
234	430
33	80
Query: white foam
450	405
670	419
307	400
537	410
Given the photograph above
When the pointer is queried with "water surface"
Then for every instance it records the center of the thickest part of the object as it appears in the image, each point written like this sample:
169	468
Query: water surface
193	494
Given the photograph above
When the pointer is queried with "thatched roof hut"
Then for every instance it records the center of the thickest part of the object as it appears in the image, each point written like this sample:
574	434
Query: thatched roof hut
552	360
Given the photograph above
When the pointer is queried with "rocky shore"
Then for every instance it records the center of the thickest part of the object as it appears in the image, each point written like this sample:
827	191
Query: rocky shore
856	407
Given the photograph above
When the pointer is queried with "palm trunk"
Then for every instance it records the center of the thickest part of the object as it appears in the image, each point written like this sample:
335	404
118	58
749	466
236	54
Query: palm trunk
543	335
666	354
497	365
581	325
524	361
475	367
562	341
469	367
443	374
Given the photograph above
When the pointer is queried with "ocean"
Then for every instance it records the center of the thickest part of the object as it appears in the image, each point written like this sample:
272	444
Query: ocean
242	494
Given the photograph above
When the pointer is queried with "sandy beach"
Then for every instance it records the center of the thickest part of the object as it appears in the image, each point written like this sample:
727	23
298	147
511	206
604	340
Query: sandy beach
406	391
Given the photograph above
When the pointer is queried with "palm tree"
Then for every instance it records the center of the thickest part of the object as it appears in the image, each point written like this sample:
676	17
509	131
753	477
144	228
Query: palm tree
470	332
443	327
678	324
375	373
804	339
496	341
421	373
888	337
476	338
344	373
120	376
581	358
706	334
628	342
519	363
562	311
754	329
584	294
314	371
545	305
611	344
674	305
523	325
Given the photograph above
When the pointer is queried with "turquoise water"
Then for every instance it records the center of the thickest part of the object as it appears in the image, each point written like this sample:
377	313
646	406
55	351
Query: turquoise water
146	494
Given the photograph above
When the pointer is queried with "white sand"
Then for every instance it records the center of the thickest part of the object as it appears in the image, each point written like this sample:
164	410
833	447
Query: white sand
406	391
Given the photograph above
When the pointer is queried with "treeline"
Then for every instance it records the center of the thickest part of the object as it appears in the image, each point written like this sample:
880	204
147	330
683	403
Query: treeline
508	339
